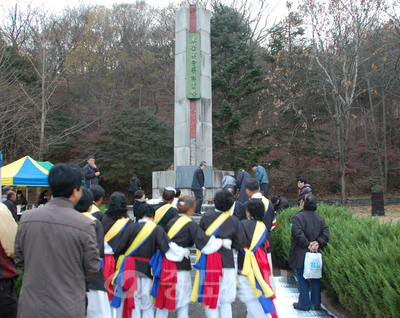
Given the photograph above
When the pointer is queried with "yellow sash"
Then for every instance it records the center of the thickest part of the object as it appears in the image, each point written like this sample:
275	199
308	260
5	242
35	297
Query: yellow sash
250	266
210	230
178	225
94	209
266	203
115	229
143	234
161	212
89	216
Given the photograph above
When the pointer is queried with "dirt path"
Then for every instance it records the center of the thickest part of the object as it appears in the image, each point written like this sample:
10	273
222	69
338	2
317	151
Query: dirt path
392	213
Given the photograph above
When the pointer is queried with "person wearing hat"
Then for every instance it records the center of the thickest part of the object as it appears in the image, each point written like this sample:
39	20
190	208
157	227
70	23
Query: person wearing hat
164	210
91	173
5	191
304	189
280	203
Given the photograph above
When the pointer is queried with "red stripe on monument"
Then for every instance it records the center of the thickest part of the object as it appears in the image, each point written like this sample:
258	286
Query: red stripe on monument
193	18
193	119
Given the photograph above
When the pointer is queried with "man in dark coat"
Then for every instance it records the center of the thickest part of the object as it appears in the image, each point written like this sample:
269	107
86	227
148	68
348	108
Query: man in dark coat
279	203
91	173
241	179
198	186
134	185
304	188
10	203
309	233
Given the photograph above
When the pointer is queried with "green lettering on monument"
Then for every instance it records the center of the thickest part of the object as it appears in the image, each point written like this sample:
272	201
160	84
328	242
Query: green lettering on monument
193	66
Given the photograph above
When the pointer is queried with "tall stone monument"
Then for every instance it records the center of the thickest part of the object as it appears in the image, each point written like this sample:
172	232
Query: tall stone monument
193	104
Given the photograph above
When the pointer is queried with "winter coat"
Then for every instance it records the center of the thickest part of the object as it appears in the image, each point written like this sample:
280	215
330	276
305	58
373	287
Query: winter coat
90	177
307	227
261	175
56	247
12	207
241	178
229	182
134	185
303	192
283	204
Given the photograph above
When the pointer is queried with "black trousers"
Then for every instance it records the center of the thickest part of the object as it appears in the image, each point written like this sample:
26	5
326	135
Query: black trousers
8	299
264	189
198	194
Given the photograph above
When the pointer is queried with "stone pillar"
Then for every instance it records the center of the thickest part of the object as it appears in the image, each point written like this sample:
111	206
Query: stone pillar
193	105
193	113
378	206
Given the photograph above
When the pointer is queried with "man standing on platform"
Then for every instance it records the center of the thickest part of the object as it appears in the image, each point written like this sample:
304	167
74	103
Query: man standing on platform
198	186
262	177
91	173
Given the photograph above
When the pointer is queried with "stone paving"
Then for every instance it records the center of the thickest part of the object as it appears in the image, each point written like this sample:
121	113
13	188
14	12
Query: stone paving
286	295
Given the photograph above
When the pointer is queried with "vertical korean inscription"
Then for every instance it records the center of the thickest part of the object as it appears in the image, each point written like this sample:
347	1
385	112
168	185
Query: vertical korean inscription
193	66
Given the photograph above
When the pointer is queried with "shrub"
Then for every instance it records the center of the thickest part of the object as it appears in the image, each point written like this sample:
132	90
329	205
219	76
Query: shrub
361	261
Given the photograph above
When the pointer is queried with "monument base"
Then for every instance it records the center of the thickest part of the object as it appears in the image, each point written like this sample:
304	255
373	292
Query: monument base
182	178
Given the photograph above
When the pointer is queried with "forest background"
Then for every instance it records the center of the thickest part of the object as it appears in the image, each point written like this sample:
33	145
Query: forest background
315	94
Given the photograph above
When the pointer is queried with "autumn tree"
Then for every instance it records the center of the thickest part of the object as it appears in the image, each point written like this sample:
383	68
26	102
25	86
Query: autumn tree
339	31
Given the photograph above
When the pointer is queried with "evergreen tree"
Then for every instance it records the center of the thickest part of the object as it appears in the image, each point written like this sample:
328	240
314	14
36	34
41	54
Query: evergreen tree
236	78
132	140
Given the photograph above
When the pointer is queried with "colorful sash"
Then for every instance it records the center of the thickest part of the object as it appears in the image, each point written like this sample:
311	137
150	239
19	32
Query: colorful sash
160	213
126	263
117	227
108	264
266	206
94	209
165	276
89	216
209	282
258	279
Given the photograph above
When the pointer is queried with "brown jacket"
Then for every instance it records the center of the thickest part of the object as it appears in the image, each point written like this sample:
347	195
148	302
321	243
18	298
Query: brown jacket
56	248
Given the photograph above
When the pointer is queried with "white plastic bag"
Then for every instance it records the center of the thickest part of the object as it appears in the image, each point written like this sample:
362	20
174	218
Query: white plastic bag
313	266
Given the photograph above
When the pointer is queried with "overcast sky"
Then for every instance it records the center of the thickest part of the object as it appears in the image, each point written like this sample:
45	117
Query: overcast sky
57	5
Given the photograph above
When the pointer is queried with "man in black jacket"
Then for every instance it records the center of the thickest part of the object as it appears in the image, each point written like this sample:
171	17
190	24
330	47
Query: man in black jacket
280	203
309	233
10	203
198	186
91	172
304	188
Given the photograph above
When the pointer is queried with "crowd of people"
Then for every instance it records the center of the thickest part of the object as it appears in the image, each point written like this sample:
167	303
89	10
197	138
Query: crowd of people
79	262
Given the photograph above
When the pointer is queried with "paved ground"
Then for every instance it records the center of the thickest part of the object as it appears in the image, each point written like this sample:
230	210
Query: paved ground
286	294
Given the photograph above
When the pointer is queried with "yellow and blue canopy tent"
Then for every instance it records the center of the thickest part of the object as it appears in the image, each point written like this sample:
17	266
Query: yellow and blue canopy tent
26	172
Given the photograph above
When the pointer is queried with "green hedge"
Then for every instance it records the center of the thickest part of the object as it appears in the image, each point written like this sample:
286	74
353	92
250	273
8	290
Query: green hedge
361	261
